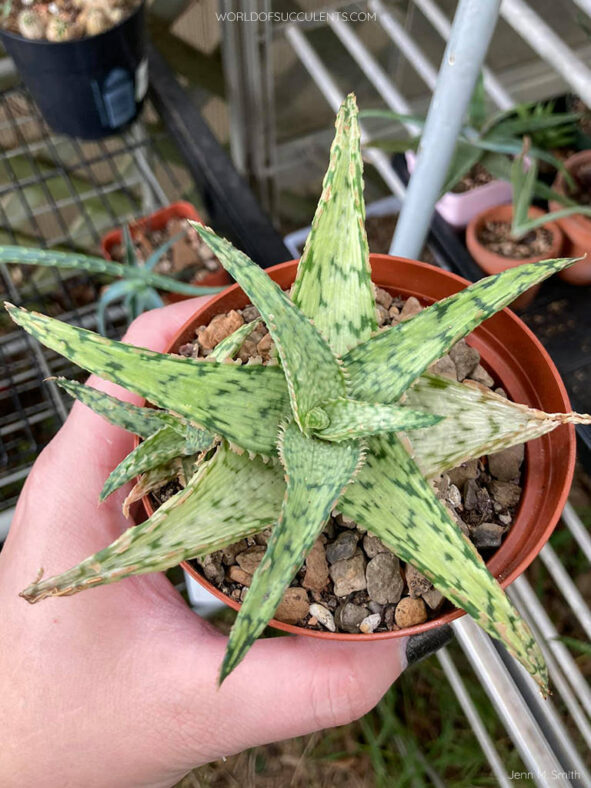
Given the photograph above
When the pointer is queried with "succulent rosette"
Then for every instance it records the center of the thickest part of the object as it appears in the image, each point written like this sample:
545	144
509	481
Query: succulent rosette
349	418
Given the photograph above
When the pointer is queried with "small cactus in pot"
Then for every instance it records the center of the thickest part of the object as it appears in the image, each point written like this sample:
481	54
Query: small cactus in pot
349	418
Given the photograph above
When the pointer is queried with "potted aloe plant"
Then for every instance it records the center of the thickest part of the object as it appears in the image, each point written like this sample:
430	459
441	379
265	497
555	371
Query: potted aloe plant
139	286
487	144
84	63
577	225
346	417
509	235
188	258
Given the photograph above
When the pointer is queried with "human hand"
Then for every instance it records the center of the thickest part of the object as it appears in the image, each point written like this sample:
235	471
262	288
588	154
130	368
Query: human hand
117	686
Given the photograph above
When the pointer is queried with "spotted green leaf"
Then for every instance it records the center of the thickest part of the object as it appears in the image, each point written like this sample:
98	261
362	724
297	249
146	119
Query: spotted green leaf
157	477
392	500
229	497
477	421
335	260
141	421
345	419
316	472
384	367
159	448
96	265
223	398
229	346
312	372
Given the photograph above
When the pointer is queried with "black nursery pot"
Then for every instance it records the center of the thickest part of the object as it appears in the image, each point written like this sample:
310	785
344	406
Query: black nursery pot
91	87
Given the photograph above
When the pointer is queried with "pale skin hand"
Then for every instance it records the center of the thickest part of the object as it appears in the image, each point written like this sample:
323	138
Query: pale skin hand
116	686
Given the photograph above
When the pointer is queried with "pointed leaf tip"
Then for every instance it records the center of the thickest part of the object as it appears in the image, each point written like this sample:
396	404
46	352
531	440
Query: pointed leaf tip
333	284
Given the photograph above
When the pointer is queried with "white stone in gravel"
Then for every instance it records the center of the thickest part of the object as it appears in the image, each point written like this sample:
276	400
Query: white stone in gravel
370	623
324	616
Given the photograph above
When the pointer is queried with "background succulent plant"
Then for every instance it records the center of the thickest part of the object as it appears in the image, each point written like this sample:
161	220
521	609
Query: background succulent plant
349	418
139	283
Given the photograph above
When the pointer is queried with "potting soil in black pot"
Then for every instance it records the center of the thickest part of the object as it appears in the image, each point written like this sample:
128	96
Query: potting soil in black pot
87	88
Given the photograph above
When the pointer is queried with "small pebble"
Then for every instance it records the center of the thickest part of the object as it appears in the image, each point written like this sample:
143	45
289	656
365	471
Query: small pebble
487	535
324	616
454	496
251	558
370	623
384	580
433	598
410	612
444	367
372	546
417	583
238	575
348	617
349	575
465	358
505	493
343	547
411	308
316	577
506	465
293	607
480	375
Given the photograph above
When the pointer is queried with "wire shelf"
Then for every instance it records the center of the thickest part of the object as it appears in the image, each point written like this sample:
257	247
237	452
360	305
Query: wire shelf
59	192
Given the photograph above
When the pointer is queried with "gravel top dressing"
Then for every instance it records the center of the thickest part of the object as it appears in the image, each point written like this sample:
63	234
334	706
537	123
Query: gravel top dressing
350	582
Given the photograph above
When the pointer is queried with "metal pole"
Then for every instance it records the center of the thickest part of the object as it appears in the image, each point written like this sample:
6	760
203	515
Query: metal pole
471	32
516	716
332	93
549	46
441	23
471	712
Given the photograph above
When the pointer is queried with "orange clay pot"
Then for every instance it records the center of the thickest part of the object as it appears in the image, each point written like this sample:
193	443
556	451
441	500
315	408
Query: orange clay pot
158	221
576	228
514	356
492	263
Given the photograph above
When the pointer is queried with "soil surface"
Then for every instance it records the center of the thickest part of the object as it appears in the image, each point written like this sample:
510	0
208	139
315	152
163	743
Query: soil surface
496	236
475	177
63	20
350	581
189	259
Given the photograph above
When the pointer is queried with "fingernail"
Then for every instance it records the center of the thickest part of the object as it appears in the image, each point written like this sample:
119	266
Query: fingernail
419	647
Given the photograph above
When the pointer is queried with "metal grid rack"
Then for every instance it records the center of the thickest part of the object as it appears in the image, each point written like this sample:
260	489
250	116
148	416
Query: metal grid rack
552	737
59	192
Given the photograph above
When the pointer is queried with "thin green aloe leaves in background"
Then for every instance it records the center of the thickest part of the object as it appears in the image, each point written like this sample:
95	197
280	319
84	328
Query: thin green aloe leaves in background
96	265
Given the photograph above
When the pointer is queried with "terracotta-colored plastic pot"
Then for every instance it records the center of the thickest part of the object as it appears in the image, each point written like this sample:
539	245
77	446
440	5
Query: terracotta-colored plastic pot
516	359
158	221
576	228
492	263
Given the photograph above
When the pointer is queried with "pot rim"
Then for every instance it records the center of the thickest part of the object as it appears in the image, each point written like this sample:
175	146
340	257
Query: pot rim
500	573
582	223
506	211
